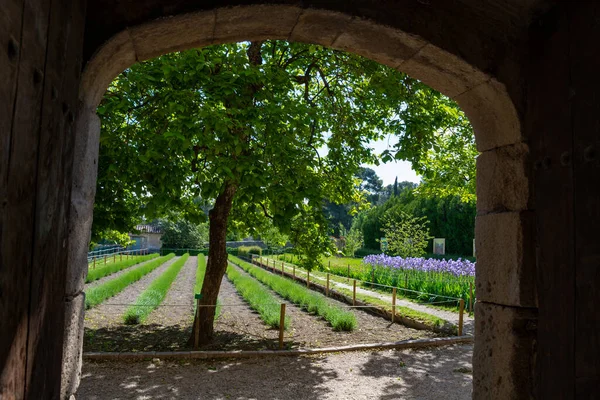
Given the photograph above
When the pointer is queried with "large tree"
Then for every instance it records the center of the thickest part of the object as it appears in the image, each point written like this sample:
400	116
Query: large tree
245	125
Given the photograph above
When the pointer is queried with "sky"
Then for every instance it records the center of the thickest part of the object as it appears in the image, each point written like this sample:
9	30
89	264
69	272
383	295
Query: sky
388	172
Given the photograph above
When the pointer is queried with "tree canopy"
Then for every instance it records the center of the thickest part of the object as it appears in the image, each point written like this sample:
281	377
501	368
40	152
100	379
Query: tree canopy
261	130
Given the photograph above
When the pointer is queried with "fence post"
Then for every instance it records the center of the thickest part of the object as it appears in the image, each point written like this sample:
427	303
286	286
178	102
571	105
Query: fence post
470	297
294	270
120	256
327	290
281	267
405	281
307	278
354	293
460	317
393	304
197	325
114	257
348	271
105	259
281	325
373	275
94	262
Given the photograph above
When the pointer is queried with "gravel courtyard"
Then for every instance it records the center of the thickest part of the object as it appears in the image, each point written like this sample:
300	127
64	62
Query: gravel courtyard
434	373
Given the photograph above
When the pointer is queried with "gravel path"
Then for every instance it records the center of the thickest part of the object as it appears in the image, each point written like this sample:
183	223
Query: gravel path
468	321
425	374
178	306
112	276
110	312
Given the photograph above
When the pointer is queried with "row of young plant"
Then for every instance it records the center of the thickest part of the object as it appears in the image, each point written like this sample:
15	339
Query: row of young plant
307	299
427	280
110	288
257	297
111	268
345	289
154	294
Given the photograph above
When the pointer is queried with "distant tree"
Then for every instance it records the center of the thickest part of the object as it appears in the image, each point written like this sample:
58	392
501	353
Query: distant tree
407	235
396	187
183	234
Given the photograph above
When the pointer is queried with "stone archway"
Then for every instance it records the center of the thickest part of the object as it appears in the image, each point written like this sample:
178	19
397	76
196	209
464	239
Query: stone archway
503	357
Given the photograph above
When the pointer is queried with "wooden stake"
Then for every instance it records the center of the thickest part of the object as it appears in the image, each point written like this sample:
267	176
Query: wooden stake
105	260
460	317
470	297
120	256
197	323
354	293
348	271
294	270
393	304
281	268
406	281
308	279
327	289
94	262
281	325
115	257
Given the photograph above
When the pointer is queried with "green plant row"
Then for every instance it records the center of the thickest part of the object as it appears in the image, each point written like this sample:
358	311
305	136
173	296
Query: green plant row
311	301
154	294
402	310
111	268
98	294
257	296
200	271
438	285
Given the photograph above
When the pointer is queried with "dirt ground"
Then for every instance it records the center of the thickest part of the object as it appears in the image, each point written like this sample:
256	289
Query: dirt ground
434	373
237	327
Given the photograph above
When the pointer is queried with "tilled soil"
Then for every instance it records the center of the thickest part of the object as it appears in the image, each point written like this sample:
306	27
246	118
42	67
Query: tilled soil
238	327
178	306
425	374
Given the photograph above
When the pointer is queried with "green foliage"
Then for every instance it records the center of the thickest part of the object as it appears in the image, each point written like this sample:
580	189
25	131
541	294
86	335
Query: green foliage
98	294
309	300
407	235
247	251
183	234
352	240
113	236
258	297
154	294
273	238
108	269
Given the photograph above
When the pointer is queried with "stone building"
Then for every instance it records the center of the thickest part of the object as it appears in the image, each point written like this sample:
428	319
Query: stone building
524	71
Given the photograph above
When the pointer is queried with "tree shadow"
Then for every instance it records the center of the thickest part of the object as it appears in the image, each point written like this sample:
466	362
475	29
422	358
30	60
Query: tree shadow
279	378
156	337
434	373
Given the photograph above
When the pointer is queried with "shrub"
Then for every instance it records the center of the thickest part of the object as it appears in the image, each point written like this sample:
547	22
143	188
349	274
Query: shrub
98	294
154	294
247	251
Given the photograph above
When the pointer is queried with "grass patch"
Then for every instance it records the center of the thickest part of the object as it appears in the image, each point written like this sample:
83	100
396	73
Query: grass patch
154	294
111	268
98	294
311	301
257	297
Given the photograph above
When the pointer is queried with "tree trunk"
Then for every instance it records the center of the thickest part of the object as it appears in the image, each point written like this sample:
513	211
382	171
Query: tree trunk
217	263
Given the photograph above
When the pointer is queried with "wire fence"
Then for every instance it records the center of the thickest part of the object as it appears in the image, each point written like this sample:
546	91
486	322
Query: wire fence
115	254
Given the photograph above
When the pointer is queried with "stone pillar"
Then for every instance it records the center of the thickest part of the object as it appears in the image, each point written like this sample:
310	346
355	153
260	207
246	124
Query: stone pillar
85	169
506	310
